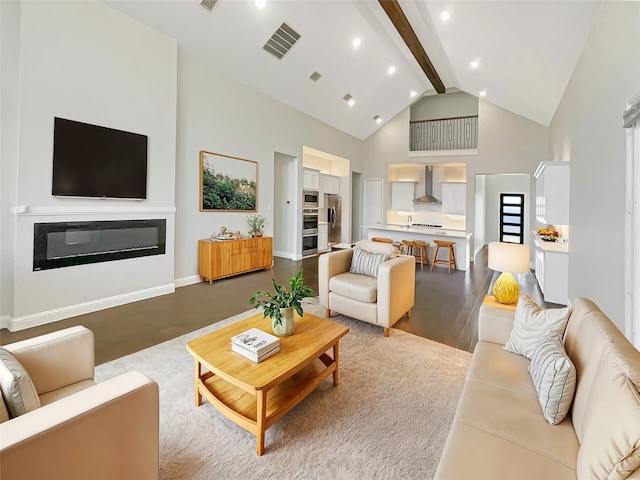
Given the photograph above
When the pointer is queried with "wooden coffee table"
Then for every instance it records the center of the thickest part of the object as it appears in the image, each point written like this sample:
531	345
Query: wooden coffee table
257	395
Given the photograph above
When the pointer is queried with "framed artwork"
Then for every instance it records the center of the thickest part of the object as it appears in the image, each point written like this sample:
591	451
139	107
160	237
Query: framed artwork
228	184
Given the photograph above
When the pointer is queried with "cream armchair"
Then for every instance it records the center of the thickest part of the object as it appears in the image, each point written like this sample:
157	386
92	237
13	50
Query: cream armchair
81	429
380	301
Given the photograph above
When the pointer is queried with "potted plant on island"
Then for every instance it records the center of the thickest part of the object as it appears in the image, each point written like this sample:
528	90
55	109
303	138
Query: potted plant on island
281	305
256	224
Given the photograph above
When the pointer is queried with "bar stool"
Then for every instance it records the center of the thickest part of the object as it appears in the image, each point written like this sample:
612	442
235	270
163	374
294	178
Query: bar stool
423	250
452	255
381	240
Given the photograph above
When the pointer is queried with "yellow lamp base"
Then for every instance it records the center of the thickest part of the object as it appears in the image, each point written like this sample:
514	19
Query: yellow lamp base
506	289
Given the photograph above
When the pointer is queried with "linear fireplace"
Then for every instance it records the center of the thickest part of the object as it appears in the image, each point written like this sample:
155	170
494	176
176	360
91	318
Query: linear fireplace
64	244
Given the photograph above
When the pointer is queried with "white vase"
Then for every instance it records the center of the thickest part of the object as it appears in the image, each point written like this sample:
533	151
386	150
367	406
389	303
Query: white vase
287	325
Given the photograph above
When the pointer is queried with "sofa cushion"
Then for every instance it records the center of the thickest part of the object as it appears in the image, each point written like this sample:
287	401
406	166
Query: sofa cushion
610	441
554	377
378	247
531	323
4	413
17	388
366	263
357	287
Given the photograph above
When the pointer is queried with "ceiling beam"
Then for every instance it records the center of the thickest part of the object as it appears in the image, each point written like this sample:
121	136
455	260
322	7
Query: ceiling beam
399	20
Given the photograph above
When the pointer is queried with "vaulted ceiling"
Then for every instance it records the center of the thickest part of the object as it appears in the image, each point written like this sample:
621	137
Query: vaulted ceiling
524	51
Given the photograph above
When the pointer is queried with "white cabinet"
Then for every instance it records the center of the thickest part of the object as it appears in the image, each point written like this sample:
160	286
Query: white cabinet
323	237
310	179
454	198
329	184
402	196
552	193
552	273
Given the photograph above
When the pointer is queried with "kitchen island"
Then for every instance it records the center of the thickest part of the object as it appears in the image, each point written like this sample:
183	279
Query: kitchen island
428	234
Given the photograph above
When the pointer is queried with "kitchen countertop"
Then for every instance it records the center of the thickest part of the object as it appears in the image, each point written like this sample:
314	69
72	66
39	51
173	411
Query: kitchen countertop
550	246
423	230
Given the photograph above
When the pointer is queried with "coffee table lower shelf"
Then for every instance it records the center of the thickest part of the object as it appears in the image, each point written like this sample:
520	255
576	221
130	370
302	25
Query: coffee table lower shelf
257	410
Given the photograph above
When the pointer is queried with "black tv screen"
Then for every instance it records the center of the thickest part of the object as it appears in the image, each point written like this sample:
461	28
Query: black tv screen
94	161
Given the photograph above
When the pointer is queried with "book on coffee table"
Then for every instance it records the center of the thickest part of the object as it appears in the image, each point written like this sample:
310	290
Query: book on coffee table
252	356
255	341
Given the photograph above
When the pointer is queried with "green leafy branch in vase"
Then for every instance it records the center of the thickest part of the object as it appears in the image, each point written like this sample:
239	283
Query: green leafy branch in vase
272	303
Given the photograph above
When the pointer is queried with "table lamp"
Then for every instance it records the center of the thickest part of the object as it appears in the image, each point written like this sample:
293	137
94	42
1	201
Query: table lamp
508	258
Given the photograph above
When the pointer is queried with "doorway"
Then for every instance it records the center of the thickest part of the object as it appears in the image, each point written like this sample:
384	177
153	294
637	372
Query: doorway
512	217
284	201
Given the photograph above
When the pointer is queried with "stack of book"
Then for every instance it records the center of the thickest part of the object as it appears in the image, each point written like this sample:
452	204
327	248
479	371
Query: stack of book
255	344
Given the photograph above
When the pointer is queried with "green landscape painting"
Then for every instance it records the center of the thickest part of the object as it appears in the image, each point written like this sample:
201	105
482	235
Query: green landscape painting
227	183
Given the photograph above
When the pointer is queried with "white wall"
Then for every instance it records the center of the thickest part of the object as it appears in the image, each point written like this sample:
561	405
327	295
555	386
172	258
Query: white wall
87	62
220	115
480	213
432	107
9	83
587	130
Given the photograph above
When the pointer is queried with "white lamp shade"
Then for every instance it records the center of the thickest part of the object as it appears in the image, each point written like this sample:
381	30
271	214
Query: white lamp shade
509	257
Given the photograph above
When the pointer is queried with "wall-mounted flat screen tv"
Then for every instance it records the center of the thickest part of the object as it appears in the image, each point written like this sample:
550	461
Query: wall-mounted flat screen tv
101	162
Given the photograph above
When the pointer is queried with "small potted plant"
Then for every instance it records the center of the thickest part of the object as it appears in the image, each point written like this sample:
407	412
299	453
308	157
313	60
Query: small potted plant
256	224
281	305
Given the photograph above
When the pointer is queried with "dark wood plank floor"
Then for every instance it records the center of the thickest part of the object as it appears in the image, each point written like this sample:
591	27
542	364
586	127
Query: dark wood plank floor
446	308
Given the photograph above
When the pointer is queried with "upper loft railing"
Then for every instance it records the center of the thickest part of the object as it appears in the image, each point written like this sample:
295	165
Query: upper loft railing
456	133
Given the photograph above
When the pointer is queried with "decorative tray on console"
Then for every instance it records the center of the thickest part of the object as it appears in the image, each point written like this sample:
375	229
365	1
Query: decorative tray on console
224	236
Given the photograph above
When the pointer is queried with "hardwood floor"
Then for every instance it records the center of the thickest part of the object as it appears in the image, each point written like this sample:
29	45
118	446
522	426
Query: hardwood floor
446	308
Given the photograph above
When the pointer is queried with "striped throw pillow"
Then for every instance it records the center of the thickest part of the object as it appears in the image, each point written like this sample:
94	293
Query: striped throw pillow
554	377
366	263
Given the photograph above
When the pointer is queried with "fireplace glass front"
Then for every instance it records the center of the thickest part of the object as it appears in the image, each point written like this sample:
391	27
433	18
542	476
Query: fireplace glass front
64	244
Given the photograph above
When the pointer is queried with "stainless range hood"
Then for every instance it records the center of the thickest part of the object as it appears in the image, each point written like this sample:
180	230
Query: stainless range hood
428	198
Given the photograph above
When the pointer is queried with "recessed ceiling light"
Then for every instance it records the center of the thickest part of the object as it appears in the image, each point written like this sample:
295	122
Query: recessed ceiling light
444	15
356	42
474	64
391	70
413	93
261	4
351	102
378	119
483	93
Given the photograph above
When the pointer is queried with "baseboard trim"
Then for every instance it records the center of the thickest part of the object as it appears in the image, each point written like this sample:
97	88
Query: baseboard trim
5	321
290	256
184	281
49	316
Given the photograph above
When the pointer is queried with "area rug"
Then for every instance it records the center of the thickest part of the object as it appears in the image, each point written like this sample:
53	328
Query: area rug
388	418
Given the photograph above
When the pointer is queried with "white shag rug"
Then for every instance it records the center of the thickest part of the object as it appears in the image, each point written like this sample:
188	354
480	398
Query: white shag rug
388	418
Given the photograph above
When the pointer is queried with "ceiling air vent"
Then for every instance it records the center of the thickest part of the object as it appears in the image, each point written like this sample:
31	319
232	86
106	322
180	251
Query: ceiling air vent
315	76
281	41
208	4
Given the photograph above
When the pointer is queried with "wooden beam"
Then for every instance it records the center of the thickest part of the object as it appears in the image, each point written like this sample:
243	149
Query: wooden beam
399	20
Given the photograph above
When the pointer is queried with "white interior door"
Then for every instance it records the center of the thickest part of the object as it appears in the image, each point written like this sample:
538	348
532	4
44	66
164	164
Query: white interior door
372	213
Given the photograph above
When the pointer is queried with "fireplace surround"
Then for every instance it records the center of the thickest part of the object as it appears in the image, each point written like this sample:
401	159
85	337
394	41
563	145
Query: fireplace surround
65	244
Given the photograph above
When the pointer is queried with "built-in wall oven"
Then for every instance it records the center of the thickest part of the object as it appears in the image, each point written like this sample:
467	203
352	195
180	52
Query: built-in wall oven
310	199
309	231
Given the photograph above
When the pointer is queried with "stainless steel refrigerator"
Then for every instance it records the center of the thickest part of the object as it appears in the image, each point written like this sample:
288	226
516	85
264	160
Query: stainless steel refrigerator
333	204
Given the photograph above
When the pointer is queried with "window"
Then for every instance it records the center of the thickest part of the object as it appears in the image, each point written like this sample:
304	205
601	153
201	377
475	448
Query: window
512	217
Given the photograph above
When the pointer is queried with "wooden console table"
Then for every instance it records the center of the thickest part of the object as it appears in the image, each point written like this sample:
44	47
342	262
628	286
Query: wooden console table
224	258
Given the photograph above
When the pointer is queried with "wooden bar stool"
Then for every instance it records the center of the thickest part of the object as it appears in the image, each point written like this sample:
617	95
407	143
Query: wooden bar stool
381	240
452	255
423	250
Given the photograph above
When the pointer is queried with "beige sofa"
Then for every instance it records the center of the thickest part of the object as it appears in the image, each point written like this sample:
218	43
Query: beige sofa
82	430
381	301
499	431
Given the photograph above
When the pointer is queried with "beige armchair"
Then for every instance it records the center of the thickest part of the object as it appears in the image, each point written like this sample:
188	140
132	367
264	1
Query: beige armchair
380	301
81	429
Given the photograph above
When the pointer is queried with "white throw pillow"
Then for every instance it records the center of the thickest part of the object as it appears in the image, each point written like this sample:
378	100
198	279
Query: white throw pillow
554	377
531	323
18	391
365	263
